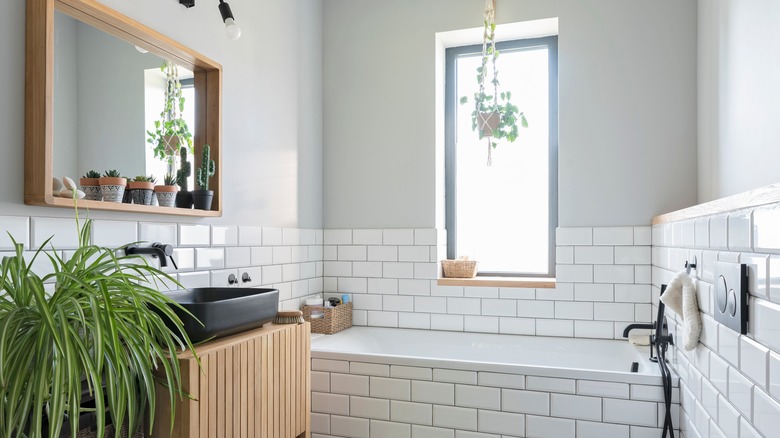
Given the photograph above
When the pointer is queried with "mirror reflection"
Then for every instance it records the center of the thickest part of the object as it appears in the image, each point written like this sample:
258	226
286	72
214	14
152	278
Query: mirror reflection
116	106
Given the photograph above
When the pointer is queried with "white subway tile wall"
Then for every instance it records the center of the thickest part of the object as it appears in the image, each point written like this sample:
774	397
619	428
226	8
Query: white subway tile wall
437	402
729	383
603	284
288	259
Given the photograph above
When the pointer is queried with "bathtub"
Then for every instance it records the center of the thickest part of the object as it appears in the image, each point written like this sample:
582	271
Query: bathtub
369	381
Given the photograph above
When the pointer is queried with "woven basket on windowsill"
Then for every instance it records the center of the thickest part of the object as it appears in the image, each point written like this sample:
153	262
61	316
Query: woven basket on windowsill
461	268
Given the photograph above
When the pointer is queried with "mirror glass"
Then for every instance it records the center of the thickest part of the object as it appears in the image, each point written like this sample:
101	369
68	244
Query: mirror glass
107	94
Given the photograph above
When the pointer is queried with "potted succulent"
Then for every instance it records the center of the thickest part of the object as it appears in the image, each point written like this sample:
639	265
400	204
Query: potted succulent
491	118
166	193
90	185
142	189
95	323
184	198
170	131
202	197
112	186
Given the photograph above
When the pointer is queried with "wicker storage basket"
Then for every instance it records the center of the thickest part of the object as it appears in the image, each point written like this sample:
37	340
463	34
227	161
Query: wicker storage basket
336	318
459	268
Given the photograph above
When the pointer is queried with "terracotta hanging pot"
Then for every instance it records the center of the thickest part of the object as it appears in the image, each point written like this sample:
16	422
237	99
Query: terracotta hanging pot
171	144
488	122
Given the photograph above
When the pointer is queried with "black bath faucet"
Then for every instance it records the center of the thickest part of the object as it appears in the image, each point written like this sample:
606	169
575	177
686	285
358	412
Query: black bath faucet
160	250
637	326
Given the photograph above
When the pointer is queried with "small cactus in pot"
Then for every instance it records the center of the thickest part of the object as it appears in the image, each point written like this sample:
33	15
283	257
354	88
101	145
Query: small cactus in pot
90	185
184	198
166	193
142	189
112	186
202	197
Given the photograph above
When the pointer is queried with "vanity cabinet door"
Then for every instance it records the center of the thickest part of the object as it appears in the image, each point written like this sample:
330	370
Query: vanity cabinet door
253	384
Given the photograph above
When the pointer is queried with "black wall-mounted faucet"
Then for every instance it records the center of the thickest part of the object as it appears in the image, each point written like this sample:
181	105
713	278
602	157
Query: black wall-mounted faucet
160	250
637	326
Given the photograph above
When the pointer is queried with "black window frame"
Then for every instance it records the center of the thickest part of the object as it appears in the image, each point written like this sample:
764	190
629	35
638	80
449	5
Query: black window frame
452	54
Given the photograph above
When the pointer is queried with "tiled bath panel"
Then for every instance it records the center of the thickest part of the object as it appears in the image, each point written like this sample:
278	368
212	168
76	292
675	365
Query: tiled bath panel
603	284
730	384
362	400
288	259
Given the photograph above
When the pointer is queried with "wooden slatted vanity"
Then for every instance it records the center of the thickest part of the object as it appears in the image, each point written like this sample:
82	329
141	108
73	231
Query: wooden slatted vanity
253	384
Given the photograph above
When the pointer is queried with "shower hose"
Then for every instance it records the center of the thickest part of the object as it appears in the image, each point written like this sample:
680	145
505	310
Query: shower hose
662	341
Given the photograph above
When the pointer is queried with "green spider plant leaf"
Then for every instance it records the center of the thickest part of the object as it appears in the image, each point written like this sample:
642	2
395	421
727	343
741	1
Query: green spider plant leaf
96	319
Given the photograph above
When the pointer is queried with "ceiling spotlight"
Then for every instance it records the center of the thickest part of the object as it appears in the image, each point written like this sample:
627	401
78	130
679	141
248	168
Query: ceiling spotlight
141	49
232	30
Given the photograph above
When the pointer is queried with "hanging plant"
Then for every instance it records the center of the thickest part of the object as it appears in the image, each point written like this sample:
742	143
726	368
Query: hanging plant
171	131
492	118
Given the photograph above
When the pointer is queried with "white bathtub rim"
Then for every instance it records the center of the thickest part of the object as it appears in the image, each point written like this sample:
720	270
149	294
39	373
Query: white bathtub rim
525	370
653	378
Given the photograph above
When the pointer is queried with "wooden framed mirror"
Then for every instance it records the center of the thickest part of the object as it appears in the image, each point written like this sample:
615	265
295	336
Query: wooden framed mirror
41	141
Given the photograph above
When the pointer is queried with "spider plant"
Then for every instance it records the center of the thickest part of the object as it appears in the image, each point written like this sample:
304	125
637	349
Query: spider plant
96	318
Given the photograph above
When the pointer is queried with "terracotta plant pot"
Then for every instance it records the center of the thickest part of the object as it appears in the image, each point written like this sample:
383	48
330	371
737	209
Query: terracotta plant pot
166	195
91	187
132	185
112	188
202	199
141	192
171	144
488	122
184	199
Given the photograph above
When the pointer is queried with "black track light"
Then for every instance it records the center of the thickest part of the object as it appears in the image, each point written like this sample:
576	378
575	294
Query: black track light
232	30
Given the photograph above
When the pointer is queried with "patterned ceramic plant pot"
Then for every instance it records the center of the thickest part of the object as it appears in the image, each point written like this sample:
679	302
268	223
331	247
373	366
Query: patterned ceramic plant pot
91	187
141	192
94	193
166	195
112	188
141	196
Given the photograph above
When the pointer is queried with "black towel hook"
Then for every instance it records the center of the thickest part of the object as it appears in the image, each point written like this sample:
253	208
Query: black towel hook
689	266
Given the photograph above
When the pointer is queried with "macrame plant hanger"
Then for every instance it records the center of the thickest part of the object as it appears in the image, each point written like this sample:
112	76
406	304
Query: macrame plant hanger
489	34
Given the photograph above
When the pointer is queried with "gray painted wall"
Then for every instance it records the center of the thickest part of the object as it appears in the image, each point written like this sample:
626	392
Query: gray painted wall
739	96
272	107
627	107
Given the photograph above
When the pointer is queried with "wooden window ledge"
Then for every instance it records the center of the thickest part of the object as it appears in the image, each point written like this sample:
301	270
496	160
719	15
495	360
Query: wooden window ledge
526	282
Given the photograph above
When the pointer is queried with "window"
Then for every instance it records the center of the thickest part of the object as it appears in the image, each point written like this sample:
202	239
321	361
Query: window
504	215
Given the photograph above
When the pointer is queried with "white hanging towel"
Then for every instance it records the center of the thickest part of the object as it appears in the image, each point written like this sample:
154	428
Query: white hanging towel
680	296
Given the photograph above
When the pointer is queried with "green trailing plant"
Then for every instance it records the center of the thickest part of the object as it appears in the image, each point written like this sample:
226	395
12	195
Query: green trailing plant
92	174
171	124
206	170
113	174
97	318
184	172
142	178
488	109
169	179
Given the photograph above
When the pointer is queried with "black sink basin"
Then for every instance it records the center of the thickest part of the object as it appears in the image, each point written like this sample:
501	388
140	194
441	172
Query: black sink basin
225	310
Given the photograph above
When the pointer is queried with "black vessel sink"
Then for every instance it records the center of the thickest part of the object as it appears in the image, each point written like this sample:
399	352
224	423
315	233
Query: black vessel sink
224	310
